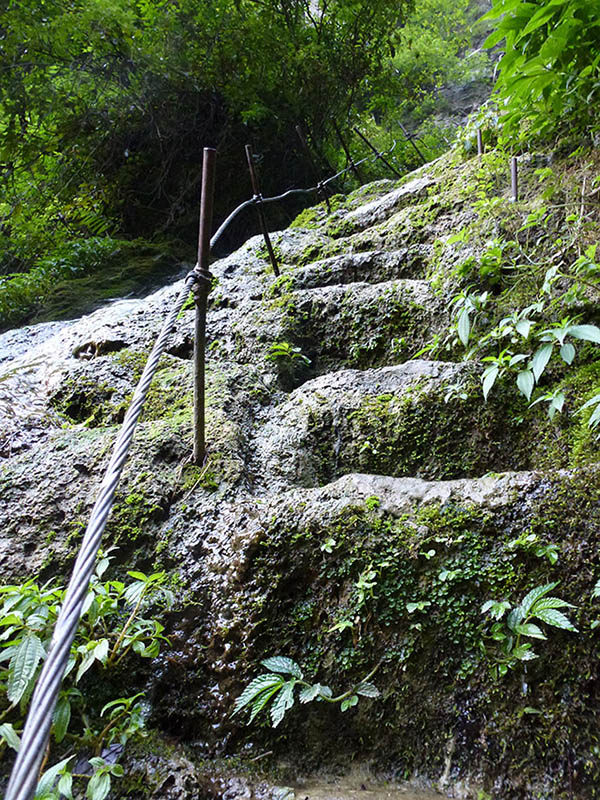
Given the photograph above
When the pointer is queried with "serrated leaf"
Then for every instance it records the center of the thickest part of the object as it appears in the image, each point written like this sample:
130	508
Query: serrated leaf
529	629
254	688
283	665
283	702
308	693
556	618
540	360
524	653
23	666
550	602
534	595
367	690
10	736
515	617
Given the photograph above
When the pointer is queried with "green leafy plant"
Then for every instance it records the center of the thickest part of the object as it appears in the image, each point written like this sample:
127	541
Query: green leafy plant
284	684
512	631
112	627
284	351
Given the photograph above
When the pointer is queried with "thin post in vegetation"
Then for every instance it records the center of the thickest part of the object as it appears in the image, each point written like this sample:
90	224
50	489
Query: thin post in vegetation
410	138
258	199
377	153
479	142
321	190
353	166
201	290
514	178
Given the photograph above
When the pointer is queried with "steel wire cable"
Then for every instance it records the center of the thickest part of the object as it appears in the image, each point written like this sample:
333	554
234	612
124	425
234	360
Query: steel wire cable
229	219
24	776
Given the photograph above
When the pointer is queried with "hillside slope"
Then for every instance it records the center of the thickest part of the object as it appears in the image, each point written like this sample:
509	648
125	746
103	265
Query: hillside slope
361	500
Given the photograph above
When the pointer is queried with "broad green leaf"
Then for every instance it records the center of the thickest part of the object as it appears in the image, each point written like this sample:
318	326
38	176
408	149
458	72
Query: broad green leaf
523	326
61	718
525	382
254	688
23	666
540	360
543	16
65	786
534	595
589	333
489	378
10	736
283	665
48	779
349	702
139	576
367	690
556	618
101	650
86	663
98	786
283	702
567	352
464	326
596	589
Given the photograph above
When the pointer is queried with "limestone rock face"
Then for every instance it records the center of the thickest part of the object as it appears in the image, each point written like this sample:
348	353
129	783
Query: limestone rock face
359	504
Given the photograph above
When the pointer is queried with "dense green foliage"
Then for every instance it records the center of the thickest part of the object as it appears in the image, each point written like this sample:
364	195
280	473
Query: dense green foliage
550	71
105	106
88	716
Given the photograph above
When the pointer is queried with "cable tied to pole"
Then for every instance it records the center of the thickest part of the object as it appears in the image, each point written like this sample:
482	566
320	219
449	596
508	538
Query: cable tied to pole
24	776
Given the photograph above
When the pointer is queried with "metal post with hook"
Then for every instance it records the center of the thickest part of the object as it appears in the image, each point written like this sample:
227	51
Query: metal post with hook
258	199
201	290
377	153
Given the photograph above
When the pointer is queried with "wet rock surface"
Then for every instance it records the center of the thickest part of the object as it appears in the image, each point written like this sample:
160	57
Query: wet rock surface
333	453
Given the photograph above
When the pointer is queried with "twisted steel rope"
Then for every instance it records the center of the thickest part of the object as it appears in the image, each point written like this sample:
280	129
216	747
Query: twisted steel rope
24	776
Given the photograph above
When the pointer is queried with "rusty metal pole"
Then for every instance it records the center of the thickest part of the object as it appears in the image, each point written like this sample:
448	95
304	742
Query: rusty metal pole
479	142
260	209
377	153
321	190
353	166
201	290
410	138
514	179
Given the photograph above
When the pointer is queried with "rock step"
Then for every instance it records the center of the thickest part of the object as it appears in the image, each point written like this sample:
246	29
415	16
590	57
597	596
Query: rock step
421	418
